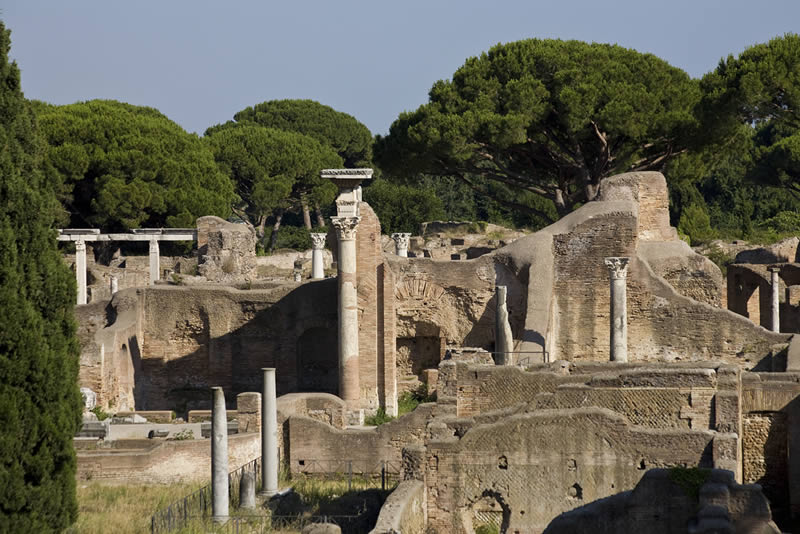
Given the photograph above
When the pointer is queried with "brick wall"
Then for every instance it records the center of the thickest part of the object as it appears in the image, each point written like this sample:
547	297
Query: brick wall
166	462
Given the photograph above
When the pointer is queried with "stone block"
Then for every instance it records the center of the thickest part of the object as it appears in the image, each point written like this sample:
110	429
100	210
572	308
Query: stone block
249	402
89	399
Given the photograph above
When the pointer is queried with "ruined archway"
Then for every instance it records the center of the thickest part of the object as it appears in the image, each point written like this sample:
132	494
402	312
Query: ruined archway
489	514
318	361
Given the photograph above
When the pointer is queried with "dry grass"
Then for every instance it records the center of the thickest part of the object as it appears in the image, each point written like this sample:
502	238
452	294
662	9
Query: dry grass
122	509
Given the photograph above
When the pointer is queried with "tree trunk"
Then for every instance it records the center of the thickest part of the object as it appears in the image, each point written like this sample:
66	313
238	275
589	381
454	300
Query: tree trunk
306	212
560	202
320	218
262	222
275	228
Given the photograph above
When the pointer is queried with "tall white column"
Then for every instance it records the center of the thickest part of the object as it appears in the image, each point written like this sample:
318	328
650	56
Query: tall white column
80	269
219	458
504	339
269	435
776	298
618	271
317	266
114	285
349	388
401	244
155	261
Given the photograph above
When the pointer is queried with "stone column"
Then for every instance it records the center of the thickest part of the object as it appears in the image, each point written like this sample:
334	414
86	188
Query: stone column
247	491
297	274
775	281
347	218
401	244
155	262
114	285
349	389
80	269
269	435
618	269
504	339
219	458
317	266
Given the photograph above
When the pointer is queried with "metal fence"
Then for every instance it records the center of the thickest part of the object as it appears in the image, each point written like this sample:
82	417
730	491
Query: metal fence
197	506
381	474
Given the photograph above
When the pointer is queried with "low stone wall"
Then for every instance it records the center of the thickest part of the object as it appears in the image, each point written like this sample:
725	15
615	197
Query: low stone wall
166	462
314	443
404	510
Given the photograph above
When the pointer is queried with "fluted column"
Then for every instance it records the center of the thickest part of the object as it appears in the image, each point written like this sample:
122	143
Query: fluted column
269	435
775	281
155	261
219	458
401	244
349	389
318	245
504	339
80	269
618	271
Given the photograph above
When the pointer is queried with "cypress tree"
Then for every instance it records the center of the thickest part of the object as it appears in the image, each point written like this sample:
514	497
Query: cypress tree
40	403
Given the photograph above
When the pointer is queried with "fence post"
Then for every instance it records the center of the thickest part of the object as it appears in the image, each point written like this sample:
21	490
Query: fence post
383	475
350	475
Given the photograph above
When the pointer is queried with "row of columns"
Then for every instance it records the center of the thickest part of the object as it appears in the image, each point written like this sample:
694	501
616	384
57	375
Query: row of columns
80	268
219	451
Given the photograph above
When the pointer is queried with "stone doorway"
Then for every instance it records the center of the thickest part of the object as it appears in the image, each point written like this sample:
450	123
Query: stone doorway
414	355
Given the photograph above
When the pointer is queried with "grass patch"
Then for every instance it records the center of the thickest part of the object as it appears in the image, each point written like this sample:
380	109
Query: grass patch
690	479
123	509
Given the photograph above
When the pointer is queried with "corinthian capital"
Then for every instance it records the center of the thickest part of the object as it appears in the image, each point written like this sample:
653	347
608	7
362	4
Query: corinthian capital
401	240
318	241
345	227
617	267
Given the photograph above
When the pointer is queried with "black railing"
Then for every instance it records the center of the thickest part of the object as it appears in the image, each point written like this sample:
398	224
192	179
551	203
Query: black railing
197	506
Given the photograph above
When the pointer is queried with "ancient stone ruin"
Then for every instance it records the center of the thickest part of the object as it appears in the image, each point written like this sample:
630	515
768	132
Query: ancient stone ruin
579	371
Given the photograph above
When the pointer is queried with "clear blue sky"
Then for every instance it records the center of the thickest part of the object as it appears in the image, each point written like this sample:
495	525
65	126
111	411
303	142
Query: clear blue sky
199	62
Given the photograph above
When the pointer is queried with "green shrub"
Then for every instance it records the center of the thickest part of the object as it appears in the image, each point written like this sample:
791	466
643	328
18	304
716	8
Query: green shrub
101	414
379	418
690	479
721	258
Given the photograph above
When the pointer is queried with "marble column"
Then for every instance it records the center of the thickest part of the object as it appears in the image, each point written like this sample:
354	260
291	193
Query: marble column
155	262
618	271
401	244
317	266
349	388
219	458
775	281
269	435
80	269
114	285
504	339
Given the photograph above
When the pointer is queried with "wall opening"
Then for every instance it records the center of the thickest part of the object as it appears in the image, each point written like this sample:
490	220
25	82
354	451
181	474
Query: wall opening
318	361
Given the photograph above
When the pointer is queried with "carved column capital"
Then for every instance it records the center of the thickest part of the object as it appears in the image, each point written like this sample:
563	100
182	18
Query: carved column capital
80	245
318	241
401	239
153	246
617	267
345	227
